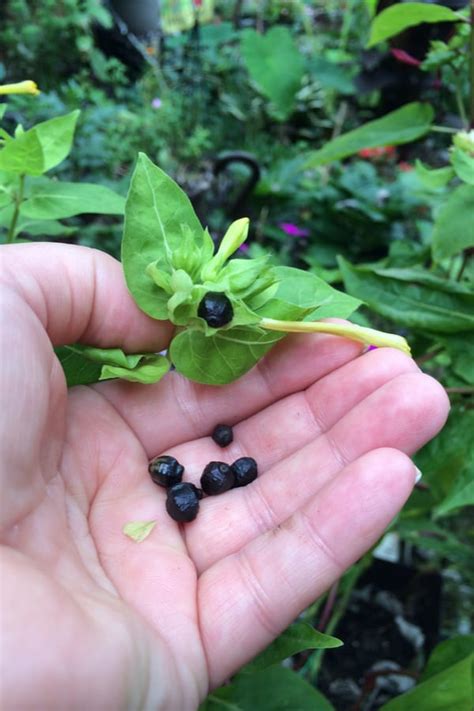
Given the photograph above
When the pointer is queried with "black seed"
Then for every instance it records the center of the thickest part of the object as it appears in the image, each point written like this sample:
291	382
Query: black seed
222	435
182	502
245	471
216	309
216	478
166	471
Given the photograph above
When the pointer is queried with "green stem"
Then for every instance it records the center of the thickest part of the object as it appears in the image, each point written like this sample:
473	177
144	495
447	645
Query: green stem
443	129
460	104
313	664
16	212
369	336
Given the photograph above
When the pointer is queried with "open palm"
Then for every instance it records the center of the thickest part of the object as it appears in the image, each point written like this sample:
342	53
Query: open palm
92	619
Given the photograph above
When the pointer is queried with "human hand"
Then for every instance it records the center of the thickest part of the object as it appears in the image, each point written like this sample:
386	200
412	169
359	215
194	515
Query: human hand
94	620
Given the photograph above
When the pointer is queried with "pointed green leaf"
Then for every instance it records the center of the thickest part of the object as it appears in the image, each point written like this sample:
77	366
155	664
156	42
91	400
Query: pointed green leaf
55	137
297	638
40	148
399	17
454	224
23	155
416	304
158	216
51	199
400	126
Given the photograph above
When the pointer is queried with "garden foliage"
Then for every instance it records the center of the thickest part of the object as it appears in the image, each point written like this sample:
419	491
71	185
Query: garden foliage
373	201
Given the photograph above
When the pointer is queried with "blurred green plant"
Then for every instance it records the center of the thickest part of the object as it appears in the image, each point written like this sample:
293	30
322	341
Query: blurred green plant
32	204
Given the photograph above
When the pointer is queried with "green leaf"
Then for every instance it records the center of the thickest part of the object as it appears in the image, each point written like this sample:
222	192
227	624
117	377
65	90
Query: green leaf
462	493
138	530
454	225
297	638
371	6
461	351
3	108
450	689
332	75
51	199
78	369
308	291
400	126
110	356
41	148
272	689
397	18
463	164
447	462
84	365
55	137
276	66
23	155
436	178
43	228
223	357
427	306
448	653
158	216
150	370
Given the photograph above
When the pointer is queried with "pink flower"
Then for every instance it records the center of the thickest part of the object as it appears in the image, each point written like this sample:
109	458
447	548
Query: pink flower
293	230
156	103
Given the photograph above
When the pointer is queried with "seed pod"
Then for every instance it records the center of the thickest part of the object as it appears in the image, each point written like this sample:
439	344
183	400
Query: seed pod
216	309
222	435
166	471
216	478
182	502
245	471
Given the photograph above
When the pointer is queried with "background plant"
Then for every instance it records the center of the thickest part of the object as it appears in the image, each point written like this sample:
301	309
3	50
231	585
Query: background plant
383	211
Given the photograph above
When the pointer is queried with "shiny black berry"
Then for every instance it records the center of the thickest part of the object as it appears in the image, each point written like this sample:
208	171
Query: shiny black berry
182	502
166	471
216	478
216	309
245	471
222	435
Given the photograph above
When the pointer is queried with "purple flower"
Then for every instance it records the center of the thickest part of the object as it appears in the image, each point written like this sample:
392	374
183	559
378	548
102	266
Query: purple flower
293	230
156	103
372	348
243	248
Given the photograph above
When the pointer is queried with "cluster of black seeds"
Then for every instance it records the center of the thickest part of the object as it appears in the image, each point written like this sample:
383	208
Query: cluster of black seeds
182	501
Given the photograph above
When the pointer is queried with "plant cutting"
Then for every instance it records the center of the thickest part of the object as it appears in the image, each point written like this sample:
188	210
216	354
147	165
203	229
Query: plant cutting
228	312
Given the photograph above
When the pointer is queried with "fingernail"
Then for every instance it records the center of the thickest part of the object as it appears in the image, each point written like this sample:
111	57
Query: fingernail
418	475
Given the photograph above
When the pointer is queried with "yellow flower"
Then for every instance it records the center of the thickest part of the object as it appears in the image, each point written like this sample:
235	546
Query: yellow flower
21	87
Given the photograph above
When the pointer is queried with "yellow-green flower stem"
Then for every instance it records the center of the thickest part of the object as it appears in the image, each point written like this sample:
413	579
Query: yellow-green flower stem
20	87
369	336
